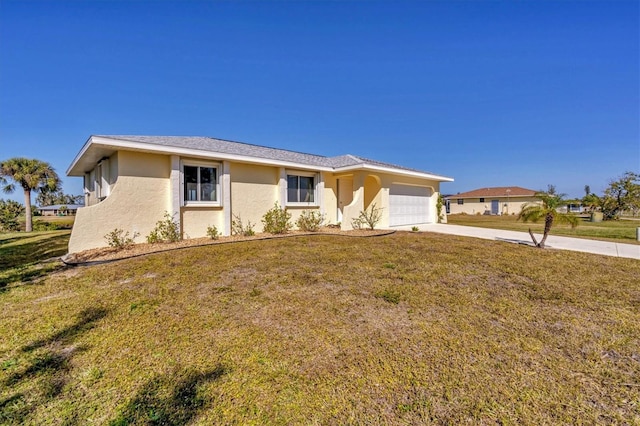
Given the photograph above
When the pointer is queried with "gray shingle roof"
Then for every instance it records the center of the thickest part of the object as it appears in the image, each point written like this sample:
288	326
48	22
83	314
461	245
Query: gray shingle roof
57	207
249	150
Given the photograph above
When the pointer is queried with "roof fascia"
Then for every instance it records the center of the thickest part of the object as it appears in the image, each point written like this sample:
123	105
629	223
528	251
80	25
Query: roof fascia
394	171
77	158
190	152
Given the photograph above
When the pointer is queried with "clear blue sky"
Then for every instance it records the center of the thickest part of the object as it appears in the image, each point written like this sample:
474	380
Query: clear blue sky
491	93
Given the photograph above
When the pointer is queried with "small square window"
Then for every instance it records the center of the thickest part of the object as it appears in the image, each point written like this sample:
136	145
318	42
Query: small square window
482	200
460	201
200	184
300	189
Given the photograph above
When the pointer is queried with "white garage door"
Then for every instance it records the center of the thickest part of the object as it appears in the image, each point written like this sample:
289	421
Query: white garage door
408	205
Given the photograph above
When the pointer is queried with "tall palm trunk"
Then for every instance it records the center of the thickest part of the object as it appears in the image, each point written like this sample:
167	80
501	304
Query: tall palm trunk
27	211
548	222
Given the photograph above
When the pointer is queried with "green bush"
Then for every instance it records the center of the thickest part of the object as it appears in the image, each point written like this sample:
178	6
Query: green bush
9	212
439	206
166	231
212	232
415	229
238	228
40	225
277	220
310	221
118	239
368	218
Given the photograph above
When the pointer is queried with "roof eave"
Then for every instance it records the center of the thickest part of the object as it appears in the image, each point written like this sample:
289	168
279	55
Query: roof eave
188	152
395	171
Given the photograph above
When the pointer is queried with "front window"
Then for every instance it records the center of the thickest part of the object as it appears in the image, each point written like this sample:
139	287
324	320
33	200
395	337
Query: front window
460	201
200	184
300	189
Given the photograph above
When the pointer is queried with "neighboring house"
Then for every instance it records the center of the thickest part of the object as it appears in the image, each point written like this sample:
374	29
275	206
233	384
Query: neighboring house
60	209
131	181
496	201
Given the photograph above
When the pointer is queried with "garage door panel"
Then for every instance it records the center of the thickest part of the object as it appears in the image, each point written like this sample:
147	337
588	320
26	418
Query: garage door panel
408	205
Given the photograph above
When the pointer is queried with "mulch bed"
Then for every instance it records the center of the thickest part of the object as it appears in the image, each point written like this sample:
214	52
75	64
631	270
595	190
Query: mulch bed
108	254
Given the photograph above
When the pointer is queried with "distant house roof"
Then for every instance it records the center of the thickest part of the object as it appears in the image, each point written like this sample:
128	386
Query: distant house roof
98	147
498	191
57	207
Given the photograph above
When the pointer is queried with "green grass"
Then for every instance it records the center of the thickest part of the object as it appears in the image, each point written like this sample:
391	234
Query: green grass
621	231
412	328
23	255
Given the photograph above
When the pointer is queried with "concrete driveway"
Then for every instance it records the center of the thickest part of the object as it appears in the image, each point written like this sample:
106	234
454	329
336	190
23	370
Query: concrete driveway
605	248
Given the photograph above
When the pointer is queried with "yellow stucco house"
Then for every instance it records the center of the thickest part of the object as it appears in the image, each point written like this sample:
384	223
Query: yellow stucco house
495	200
131	181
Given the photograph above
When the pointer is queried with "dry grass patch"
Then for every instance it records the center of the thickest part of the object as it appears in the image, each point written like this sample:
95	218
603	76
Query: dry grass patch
403	329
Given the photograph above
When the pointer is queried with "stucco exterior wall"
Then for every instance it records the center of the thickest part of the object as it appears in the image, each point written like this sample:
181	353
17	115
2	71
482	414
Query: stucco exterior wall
196	220
511	206
254	190
330	198
137	201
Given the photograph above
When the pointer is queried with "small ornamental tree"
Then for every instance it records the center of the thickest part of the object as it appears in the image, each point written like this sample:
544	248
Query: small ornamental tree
548	210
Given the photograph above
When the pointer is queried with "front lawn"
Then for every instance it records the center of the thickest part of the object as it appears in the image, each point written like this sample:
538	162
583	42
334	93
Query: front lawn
620	231
411	328
23	255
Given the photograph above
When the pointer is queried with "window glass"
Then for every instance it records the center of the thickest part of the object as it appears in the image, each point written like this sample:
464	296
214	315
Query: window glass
300	189
460	201
482	200
190	183
207	184
306	189
200	183
292	188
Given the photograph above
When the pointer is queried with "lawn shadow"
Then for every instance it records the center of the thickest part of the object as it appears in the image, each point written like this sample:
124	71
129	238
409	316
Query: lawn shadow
47	370
41	247
180	405
27	275
24	262
85	321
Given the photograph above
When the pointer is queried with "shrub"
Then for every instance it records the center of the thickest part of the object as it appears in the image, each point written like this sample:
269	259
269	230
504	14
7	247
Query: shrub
40	225
439	205
166	231
415	229
310	221
118	239
212	232
277	220
368	218
9	212
238	228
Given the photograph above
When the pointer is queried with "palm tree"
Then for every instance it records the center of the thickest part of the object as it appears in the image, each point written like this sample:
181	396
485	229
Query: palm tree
31	175
547	210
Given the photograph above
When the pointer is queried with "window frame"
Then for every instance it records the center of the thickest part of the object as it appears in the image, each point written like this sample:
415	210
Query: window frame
299	174
217	187
460	201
